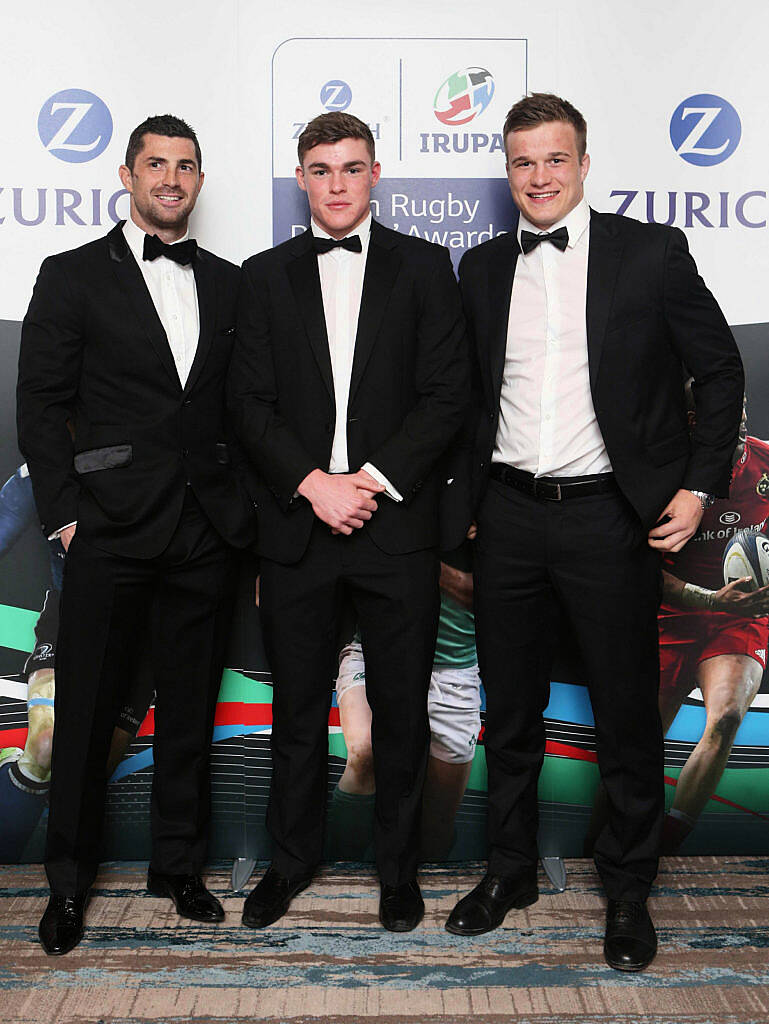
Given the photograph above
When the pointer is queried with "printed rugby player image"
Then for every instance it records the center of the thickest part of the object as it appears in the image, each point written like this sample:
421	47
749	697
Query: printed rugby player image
713	632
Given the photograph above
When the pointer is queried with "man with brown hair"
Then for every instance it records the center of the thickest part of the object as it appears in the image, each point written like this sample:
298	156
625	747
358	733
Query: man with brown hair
348	383
581	324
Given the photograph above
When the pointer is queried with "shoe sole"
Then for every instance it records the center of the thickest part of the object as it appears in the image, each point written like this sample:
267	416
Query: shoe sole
272	920
526	900
161	891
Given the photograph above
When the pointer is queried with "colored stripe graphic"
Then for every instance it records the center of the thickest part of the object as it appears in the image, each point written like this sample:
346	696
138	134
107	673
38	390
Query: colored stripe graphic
234	714
17	628
578	754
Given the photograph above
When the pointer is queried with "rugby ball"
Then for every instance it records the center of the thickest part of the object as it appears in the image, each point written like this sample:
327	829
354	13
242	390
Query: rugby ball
747	554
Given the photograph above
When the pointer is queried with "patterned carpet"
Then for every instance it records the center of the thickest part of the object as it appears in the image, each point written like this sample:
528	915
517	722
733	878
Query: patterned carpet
329	960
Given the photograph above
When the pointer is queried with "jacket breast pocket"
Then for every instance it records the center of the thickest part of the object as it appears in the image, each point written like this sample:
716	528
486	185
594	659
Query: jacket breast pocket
111	457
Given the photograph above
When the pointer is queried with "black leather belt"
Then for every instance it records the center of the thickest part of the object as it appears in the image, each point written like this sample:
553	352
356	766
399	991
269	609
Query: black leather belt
552	488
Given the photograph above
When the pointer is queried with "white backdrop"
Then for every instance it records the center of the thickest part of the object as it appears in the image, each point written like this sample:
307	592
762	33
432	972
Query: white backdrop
626	66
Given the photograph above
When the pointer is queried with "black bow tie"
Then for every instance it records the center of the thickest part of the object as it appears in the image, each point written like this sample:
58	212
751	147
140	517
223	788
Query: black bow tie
352	244
559	238
180	252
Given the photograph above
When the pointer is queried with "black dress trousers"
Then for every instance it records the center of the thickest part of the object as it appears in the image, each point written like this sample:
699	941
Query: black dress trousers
178	605
396	600
588	558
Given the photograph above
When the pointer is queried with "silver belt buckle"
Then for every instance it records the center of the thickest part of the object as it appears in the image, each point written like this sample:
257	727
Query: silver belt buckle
542	490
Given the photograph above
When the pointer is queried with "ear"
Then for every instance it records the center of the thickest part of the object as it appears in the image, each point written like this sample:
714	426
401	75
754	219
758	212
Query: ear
124	173
376	171
584	167
300	178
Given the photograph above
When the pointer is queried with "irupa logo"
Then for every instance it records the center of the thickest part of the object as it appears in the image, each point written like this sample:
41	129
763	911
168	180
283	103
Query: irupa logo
459	100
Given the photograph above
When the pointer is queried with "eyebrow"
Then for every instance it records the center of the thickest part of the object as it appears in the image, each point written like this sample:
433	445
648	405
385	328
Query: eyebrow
164	160
326	167
557	152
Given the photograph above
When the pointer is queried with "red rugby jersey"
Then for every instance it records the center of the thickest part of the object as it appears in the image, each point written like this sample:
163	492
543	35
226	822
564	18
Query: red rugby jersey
747	507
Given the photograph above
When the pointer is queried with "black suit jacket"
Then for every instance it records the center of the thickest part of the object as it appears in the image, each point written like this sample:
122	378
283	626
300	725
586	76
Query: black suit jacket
109	434
650	319
408	390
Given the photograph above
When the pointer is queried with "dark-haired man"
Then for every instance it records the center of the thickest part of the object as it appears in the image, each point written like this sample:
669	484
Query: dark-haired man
348	381
124	355
583	472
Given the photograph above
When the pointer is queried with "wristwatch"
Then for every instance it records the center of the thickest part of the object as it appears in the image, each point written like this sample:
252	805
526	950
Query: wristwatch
706	500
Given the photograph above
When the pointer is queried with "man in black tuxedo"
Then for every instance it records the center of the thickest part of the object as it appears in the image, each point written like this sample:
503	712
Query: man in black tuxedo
581	324
348	382
122	419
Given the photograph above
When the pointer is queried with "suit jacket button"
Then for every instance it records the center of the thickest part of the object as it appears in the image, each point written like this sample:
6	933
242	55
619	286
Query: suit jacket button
185	452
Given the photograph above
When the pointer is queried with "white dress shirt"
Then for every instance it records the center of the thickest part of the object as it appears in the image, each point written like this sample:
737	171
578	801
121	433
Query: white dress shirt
547	423
175	297
341	284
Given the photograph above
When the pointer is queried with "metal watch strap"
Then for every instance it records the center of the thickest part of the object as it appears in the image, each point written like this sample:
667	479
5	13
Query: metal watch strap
706	500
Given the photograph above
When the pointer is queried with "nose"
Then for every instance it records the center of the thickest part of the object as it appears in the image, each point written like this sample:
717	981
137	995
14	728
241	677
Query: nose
540	175
171	176
337	182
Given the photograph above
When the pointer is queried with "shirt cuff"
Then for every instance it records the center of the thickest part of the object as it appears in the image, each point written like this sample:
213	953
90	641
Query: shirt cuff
380	478
57	533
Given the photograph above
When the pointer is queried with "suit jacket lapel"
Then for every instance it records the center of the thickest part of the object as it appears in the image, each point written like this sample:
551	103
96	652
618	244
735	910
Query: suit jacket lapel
205	286
603	263
501	275
305	283
382	266
133	285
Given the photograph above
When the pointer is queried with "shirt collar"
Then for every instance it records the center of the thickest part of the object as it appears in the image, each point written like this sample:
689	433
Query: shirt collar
363	231
576	223
134	236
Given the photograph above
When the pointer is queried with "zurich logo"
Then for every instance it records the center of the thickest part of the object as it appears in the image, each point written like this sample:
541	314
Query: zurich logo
705	129
74	125
336	95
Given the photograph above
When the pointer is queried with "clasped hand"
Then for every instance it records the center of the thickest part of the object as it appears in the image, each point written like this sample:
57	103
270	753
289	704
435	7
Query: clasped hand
344	501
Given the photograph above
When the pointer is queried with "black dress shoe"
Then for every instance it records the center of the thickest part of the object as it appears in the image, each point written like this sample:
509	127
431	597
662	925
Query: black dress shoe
485	907
271	898
61	926
401	907
631	941
190	895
